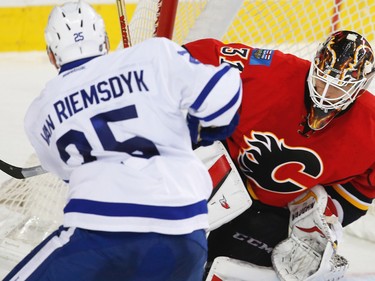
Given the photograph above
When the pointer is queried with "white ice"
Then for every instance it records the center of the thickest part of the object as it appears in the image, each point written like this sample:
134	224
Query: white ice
23	75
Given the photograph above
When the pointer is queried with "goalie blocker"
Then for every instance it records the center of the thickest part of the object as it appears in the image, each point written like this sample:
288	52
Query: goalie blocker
229	196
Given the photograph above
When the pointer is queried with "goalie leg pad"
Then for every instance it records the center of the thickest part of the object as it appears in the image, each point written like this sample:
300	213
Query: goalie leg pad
228	269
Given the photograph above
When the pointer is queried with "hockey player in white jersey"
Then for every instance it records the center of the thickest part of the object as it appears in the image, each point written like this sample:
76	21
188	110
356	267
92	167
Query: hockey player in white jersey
114	127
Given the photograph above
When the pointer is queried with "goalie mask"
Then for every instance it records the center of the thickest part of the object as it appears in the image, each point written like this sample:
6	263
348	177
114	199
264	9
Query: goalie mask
75	31
340	71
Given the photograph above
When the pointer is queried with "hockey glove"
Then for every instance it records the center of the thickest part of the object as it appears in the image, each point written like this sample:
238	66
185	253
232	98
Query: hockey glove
310	251
207	135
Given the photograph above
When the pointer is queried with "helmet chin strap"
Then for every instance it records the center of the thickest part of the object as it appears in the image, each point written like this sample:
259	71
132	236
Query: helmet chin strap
52	58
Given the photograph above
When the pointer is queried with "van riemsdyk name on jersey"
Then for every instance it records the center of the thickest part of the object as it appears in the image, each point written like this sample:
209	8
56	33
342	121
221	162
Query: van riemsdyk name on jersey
111	88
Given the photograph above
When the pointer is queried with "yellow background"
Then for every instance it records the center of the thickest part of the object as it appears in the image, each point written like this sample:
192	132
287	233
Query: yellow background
261	22
22	28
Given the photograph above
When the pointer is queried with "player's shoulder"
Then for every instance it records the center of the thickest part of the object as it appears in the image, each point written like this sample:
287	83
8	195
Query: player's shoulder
159	47
289	61
366	102
231	48
207	50
275	63
362	116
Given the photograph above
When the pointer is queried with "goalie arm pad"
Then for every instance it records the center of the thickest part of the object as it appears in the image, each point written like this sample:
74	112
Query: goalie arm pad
310	251
229	197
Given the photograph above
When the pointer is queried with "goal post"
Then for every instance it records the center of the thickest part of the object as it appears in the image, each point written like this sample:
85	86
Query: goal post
153	18
165	18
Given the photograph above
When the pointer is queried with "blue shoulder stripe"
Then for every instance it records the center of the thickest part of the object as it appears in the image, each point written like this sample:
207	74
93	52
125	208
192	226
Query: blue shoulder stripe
113	209
209	86
229	105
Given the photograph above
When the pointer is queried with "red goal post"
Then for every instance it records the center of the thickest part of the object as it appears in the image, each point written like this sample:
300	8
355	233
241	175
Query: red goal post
152	18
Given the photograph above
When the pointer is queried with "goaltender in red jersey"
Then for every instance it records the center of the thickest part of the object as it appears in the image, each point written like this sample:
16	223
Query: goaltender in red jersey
303	126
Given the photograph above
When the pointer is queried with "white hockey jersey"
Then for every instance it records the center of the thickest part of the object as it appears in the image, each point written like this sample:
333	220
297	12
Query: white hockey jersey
115	129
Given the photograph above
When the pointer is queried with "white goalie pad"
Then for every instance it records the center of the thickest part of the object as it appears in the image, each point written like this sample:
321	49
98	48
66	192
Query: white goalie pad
230	197
227	269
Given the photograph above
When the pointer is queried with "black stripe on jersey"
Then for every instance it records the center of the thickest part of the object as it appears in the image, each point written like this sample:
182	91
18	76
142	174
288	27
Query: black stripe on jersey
351	212
353	191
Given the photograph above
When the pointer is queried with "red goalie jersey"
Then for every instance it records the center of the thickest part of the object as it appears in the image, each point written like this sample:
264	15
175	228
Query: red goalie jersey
272	144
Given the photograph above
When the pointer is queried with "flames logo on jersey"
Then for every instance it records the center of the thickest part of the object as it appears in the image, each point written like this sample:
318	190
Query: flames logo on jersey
277	167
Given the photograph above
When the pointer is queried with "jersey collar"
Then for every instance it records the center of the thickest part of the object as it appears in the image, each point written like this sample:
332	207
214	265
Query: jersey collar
74	64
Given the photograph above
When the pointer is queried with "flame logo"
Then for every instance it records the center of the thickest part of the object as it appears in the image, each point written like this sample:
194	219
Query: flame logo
277	167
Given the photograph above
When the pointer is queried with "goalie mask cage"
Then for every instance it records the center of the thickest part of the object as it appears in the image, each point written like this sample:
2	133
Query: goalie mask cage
30	209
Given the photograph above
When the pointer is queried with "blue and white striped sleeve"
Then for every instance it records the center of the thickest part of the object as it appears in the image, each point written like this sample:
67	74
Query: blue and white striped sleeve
209	93
219	99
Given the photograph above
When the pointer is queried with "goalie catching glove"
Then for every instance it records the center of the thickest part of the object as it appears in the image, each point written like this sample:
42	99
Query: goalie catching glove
310	251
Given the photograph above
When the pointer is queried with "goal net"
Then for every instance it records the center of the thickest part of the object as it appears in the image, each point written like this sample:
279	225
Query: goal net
30	209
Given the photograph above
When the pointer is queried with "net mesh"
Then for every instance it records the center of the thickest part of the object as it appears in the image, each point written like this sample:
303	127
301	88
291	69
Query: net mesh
30	210
296	26
143	23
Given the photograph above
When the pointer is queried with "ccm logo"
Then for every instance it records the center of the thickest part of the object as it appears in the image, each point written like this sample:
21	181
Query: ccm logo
253	242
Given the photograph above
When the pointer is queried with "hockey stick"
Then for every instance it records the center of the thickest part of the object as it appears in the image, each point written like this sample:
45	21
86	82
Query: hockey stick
218	172
125	34
21	173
